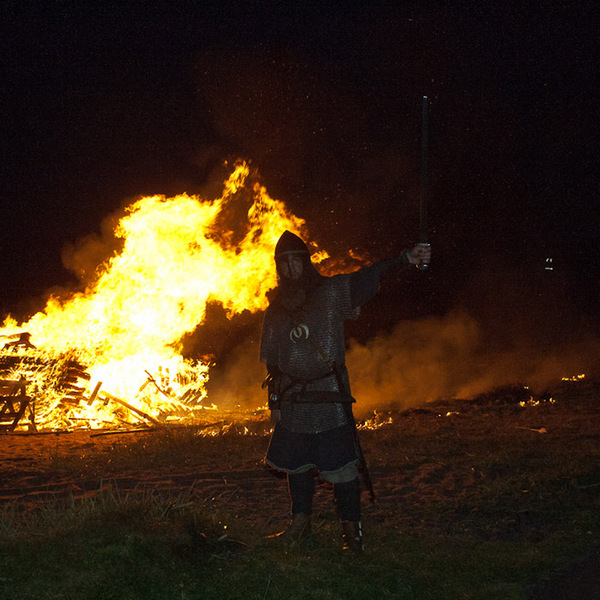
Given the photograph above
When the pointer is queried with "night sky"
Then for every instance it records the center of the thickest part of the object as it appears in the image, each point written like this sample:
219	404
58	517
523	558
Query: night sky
101	105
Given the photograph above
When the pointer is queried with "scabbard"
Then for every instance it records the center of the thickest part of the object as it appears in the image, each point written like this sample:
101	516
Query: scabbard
363	468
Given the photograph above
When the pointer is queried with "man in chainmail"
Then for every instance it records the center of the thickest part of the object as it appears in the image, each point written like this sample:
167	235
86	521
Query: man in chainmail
303	346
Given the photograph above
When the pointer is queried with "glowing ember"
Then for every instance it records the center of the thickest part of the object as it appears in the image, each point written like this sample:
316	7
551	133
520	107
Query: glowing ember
376	421
574	378
126	327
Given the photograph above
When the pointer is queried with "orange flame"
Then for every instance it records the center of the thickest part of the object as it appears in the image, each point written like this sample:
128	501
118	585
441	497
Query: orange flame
126	327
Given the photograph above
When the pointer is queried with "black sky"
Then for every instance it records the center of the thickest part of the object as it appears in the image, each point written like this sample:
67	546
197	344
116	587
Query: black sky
104	104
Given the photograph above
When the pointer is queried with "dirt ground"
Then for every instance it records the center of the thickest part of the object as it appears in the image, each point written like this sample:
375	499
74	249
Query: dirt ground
37	468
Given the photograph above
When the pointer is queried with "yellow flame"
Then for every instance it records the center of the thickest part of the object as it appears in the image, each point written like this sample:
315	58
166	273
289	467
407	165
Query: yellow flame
178	254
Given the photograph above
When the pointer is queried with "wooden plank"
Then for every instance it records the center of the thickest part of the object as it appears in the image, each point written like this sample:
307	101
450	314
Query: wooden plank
133	409
94	393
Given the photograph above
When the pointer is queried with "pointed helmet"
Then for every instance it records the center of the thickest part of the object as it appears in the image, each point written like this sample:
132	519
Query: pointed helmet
288	244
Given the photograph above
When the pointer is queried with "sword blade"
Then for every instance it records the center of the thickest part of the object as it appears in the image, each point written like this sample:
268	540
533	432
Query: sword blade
424	202
423	235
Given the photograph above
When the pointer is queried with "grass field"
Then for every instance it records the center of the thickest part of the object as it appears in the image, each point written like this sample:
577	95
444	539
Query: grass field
487	499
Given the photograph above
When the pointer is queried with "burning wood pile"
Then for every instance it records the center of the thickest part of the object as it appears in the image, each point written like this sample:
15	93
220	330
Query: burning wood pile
53	391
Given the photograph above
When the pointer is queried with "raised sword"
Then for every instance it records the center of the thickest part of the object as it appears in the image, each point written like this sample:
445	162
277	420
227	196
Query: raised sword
424	199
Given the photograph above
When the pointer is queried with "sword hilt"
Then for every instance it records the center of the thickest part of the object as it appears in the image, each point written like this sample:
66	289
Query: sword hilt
423	265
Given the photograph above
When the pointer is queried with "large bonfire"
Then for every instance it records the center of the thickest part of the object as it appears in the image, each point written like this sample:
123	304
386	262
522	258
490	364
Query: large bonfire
113	353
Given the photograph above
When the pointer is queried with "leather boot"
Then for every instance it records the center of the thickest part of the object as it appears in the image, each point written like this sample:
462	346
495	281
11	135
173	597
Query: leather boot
353	538
298	529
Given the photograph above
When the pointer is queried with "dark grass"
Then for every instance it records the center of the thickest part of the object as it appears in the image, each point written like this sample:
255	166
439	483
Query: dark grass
481	505
138	550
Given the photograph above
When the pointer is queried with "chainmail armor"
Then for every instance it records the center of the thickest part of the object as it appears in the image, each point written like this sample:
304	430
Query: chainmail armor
307	390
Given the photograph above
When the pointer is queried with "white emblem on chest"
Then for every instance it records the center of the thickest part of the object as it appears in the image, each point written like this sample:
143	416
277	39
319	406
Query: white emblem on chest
300	332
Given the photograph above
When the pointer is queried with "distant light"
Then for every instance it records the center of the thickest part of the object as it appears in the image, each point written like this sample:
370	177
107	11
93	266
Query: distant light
549	265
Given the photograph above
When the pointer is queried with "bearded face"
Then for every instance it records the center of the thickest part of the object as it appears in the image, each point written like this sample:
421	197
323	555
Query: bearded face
291	267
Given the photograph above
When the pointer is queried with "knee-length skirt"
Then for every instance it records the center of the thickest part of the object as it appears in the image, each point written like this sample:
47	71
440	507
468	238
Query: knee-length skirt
331	452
